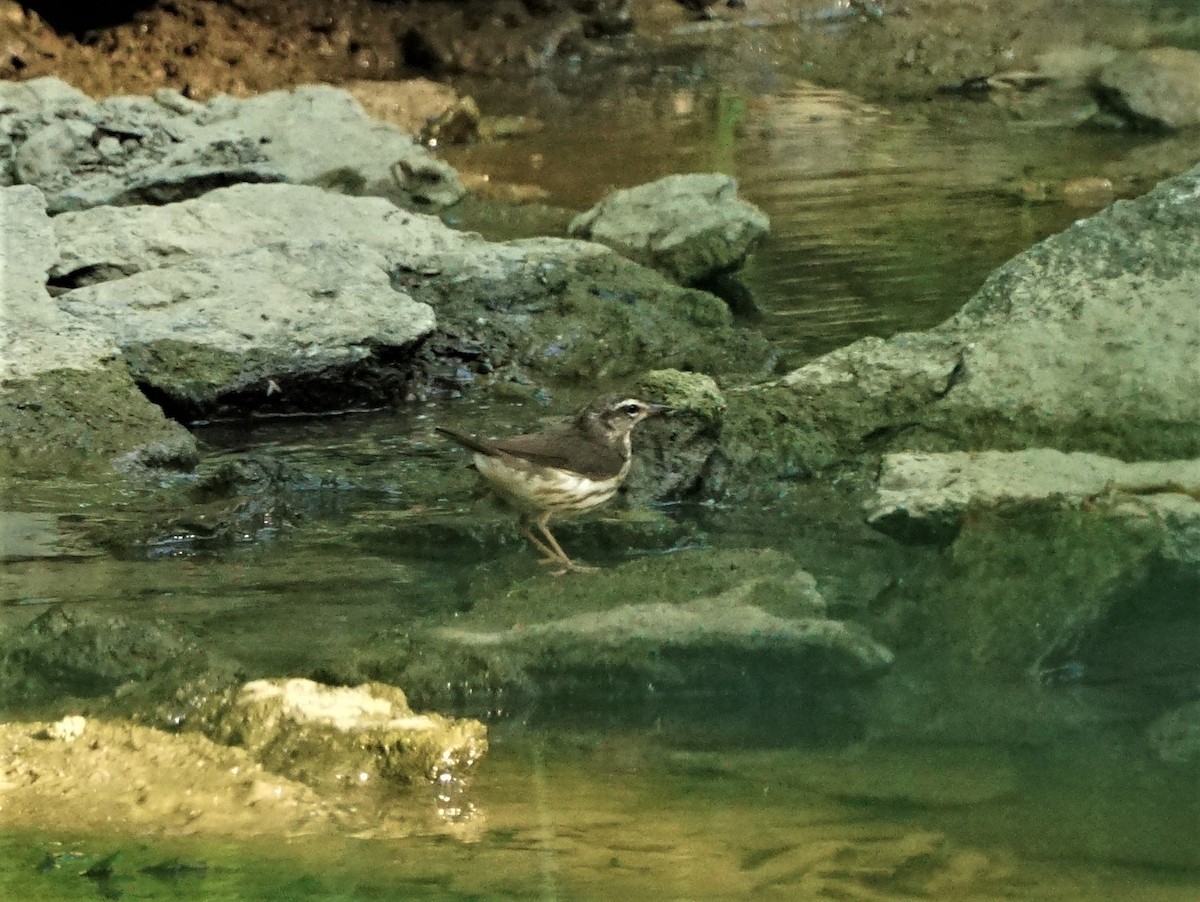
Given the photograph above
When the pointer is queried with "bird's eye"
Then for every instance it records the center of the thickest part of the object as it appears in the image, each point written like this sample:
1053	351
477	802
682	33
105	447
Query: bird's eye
631	409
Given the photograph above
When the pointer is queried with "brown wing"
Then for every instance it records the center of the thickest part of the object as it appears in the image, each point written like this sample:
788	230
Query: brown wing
566	449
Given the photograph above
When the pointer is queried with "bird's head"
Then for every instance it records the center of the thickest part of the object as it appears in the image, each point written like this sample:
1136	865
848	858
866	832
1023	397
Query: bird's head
614	416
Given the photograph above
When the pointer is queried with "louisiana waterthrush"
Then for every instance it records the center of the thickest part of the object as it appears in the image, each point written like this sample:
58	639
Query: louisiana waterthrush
562	471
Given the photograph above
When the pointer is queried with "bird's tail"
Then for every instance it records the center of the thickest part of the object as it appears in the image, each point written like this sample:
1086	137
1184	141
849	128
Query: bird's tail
466	441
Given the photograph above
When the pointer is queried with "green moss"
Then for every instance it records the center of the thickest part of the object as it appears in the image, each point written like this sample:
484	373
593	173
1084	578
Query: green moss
1025	583
75	421
691	392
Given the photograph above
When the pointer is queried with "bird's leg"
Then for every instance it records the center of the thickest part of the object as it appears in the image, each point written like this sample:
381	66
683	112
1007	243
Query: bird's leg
549	555
569	566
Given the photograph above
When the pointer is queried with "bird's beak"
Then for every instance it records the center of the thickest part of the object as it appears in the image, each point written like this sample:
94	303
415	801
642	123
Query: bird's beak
658	409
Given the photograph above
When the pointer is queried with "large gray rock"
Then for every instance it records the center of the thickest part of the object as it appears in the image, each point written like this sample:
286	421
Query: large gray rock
1159	87
691	228
109	242
1085	342
926	496
124	150
191	332
553	307
63	386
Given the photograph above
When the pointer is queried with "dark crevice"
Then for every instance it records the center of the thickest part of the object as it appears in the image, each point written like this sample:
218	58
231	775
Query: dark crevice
78	19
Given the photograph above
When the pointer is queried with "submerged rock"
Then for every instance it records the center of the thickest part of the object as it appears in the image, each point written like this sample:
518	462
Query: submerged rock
340	736
704	623
127	150
691	228
1175	736
74	653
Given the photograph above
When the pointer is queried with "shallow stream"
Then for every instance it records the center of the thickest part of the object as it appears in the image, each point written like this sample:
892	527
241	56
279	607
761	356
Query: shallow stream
883	221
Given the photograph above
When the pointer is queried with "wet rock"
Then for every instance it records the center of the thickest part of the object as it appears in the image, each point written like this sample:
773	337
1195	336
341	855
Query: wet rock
925	497
333	737
75	653
692	228
457	124
678	450
1175	736
125	150
720	623
1157	88
63	389
1085	342
844	405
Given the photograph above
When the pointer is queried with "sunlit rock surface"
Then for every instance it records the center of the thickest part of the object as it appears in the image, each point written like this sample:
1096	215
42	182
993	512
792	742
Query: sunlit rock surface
84	153
122	777
349	285
189	335
341	736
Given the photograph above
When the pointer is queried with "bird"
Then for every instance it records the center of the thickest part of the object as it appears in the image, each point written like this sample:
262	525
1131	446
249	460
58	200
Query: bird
562	471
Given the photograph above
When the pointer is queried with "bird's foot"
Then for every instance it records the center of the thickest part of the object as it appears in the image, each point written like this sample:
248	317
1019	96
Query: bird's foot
566	565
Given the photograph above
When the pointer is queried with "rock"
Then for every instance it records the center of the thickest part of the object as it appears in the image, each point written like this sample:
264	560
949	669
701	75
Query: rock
74	652
926	496
1175	735
704	624
68	729
125	150
63	388
692	228
682	444
557	308
660	644
188	334
130	778
338	736
929	776
457	124
1085	342
842	405
1158	87
407	104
